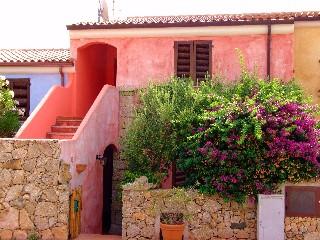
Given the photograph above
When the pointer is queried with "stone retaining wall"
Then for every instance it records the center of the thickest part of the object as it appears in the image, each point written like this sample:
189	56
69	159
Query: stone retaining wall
300	228
128	102
34	190
206	217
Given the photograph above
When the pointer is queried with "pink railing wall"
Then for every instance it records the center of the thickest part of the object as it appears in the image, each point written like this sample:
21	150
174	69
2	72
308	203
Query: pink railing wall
98	130
57	102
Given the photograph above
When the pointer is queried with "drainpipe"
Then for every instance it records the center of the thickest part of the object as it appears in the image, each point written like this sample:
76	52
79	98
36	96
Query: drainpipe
268	51
61	76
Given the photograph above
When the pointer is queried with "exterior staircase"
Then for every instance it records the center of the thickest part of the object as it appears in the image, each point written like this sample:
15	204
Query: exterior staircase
64	128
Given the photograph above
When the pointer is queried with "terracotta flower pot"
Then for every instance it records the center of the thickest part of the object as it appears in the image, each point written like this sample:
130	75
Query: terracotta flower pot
172	231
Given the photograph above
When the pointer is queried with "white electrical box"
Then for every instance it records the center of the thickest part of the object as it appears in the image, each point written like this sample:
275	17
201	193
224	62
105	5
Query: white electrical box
271	214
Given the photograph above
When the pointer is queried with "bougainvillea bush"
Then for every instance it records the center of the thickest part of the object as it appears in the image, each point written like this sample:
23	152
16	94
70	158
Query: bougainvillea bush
238	139
254	135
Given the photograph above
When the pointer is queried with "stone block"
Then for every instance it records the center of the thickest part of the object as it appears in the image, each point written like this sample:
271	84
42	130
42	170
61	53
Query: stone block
19	153
29	165
47	235
225	233
46	209
5	177
242	234
63	218
49	195
41	223
5	234
5	157
13	192
20	235
25	221
60	233
64	173
45	148
33	151
10	220
133	231
15	164
18	177
6	146
33	190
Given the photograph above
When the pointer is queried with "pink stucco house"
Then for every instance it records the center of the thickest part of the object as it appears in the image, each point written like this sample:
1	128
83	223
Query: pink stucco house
113	58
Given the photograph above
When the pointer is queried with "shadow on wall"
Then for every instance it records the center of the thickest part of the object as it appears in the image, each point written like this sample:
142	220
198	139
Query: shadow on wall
96	66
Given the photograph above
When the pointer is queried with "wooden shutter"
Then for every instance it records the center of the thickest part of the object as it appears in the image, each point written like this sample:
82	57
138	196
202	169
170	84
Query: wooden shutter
193	59
178	176
302	201
21	89
203	59
183	58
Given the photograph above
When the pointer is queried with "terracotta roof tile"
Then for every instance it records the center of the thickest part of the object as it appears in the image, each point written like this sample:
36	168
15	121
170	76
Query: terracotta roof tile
35	57
199	20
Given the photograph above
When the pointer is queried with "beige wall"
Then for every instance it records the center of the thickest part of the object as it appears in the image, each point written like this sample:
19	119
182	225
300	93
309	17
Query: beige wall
307	57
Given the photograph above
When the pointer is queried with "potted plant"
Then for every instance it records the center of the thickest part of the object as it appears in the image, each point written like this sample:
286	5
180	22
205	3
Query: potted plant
172	225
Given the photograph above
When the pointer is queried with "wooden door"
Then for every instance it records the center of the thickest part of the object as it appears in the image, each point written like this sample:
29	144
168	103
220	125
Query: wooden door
75	213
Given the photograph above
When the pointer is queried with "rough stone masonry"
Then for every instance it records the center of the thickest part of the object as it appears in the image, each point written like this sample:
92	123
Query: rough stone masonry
207	217
34	190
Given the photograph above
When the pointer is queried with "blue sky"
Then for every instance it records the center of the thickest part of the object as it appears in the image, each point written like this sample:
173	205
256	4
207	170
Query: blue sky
41	23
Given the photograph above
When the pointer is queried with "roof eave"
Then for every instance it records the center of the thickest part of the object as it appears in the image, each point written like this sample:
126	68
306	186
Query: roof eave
37	64
183	24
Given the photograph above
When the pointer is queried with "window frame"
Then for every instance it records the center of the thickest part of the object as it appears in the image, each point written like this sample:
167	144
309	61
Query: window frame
27	82
290	189
193	57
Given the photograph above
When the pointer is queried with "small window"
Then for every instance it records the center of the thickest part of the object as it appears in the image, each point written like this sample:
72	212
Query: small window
21	89
178	176
302	201
193	59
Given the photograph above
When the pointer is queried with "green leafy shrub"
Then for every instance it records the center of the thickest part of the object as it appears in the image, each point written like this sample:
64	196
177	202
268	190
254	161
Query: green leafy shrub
33	236
162	119
9	118
236	139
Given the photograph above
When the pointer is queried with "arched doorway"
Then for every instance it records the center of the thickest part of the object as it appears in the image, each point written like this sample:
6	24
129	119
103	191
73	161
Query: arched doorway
96	66
108	156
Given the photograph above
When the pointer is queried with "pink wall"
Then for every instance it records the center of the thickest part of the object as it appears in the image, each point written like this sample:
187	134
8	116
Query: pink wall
57	102
94	69
98	130
143	59
282	55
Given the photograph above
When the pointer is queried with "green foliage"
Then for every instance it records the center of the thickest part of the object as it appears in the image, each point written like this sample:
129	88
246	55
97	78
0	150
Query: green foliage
164	116
9	118
33	236
253	136
236	139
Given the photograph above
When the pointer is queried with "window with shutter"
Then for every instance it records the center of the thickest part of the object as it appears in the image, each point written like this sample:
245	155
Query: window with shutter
178	176
202	55
183	58
21	89
193	59
302	201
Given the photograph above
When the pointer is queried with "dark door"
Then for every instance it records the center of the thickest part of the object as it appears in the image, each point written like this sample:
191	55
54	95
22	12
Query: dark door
107	189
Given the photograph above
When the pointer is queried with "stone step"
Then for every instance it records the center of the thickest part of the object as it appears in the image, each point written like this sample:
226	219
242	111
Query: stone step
69	118
68	122
59	135
98	237
64	129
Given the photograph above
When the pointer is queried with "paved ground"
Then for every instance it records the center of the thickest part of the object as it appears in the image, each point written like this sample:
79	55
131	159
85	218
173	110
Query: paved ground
98	237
